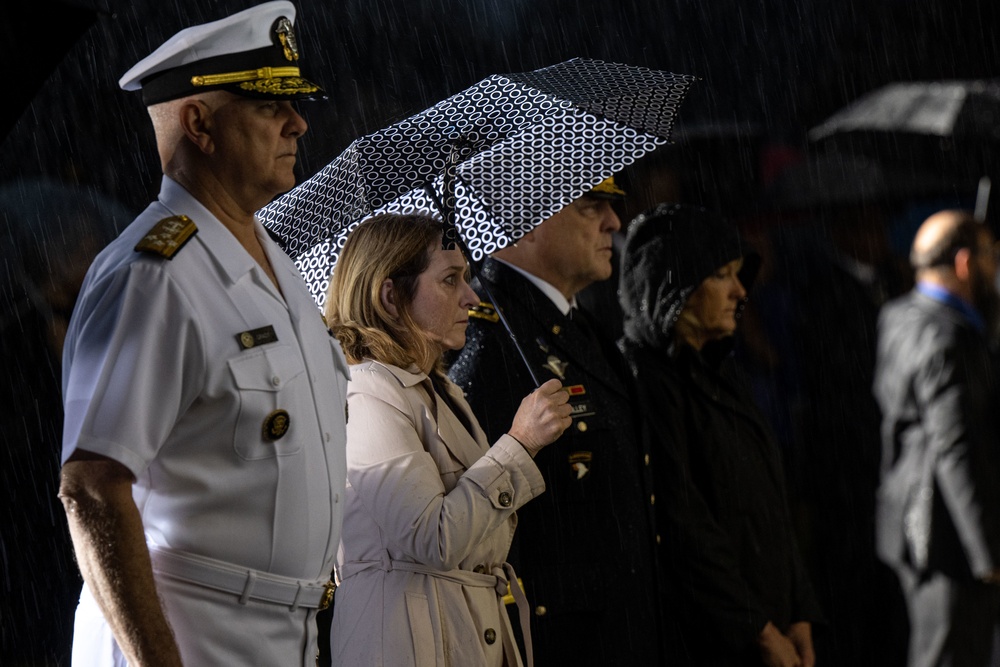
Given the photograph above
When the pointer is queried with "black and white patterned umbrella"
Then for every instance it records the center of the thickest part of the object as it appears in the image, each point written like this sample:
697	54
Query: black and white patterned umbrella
533	142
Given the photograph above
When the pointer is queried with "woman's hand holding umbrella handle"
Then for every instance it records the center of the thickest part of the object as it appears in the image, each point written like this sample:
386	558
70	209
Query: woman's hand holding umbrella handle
542	417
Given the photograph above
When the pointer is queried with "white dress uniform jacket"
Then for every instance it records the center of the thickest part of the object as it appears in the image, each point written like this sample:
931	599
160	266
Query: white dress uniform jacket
429	518
157	378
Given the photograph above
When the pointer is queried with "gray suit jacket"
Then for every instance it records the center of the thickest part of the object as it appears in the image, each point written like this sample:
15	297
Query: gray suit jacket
938	507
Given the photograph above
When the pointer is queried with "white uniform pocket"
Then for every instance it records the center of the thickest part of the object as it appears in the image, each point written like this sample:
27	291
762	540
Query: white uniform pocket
268	380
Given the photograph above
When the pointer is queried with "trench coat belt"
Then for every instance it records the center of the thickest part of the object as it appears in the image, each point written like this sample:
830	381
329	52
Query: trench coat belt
499	579
242	581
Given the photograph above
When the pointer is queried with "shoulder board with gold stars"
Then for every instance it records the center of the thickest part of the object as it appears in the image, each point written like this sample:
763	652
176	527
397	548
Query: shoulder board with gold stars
168	236
484	311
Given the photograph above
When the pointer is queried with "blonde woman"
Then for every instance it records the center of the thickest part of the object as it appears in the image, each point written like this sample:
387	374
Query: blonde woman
430	505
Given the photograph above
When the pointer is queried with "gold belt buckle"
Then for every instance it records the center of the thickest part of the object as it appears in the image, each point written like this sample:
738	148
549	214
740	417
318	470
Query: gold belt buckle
329	588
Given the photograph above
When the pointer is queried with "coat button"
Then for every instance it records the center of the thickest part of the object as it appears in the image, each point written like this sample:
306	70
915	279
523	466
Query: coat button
540	610
581	426
504	499
645	459
490	636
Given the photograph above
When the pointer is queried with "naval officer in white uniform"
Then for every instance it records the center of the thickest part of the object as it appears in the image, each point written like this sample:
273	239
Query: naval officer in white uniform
203	457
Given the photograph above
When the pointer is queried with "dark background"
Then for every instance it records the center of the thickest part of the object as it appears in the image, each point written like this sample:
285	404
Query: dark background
769	71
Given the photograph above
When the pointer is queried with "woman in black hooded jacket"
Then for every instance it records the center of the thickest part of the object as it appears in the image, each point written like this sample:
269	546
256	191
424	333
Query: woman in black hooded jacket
735	585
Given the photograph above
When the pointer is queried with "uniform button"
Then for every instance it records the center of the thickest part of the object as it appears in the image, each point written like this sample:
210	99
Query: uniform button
658	539
504	499
327	436
490	636
581	426
540	610
645	459
652	499
479	569
276	381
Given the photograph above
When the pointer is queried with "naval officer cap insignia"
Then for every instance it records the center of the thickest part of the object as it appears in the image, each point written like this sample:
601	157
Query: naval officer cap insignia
253	53
276	425
606	189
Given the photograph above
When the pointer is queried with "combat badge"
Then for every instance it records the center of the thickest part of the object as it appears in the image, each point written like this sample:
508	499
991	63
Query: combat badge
276	425
557	366
579	463
168	236
256	337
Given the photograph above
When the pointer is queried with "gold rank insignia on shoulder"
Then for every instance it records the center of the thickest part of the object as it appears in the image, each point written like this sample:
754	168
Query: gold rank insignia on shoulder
256	337
484	311
168	236
276	425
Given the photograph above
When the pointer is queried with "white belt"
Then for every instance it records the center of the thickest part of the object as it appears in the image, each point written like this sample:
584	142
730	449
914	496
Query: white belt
242	581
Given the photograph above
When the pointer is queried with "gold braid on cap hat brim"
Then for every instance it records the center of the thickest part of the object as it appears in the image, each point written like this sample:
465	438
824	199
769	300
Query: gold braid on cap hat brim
246	75
281	86
273	80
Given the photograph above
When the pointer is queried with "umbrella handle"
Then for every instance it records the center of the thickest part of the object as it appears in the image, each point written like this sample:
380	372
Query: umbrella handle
449	200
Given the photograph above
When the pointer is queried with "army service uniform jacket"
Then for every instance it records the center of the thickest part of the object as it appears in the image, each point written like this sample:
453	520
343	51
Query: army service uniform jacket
583	550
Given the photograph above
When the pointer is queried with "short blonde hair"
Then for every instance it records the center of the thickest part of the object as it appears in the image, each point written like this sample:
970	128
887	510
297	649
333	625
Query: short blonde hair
387	246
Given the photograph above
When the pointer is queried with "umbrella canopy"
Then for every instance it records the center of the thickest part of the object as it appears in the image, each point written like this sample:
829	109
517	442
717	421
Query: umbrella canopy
952	126
952	110
530	144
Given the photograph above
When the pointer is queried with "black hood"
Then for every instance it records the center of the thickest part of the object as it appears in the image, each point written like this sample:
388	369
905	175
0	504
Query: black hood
669	250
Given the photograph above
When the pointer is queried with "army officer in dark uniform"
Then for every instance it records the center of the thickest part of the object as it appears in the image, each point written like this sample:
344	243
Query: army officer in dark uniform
584	550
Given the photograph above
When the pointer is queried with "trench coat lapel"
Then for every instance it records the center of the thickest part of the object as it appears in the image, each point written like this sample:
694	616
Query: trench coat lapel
452	434
467	447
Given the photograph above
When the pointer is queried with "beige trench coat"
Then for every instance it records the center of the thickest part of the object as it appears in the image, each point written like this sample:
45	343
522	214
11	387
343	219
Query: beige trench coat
429	518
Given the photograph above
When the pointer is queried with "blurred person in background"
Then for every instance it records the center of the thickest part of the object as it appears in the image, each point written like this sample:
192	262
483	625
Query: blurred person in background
736	591
938	502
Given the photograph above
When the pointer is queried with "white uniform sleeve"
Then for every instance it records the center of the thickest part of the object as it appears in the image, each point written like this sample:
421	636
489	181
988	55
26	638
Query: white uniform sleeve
134	362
